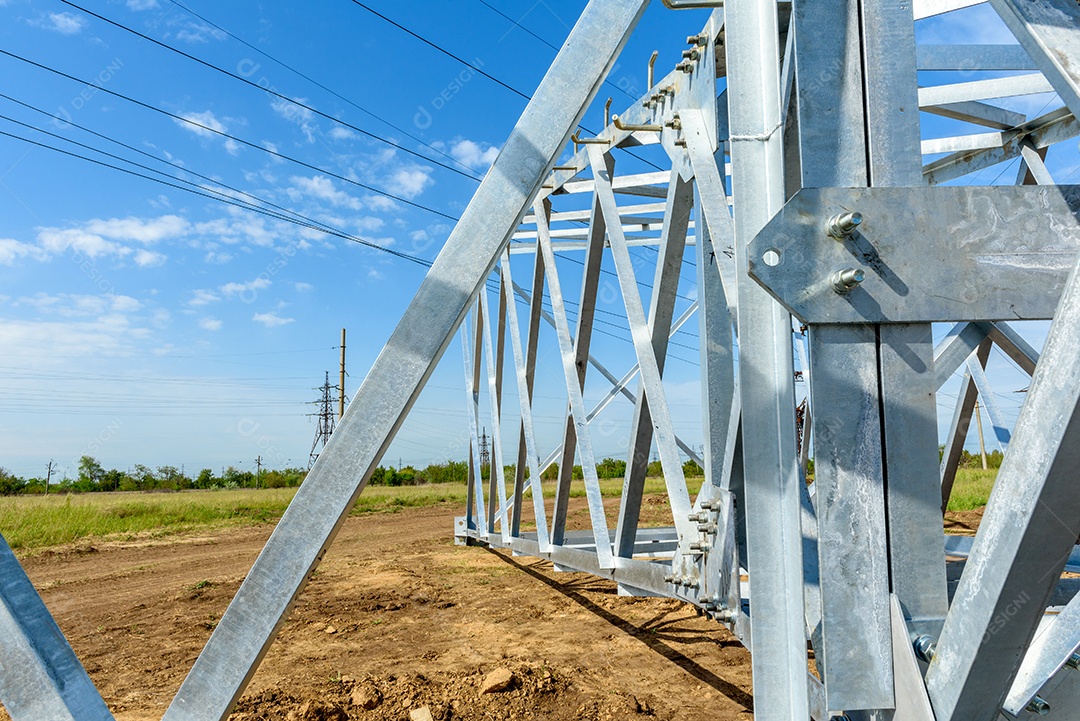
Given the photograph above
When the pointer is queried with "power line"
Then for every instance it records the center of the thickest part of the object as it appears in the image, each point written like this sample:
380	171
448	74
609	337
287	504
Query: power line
489	76
270	91
246	206
315	82
222	133
526	30
444	51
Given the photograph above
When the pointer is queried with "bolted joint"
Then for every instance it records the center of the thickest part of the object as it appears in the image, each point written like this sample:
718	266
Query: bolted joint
925	647
674	123
1038	705
685	66
726	615
842	225
700	40
708	528
691	54
670	578
710	505
1074	661
844	281
702	517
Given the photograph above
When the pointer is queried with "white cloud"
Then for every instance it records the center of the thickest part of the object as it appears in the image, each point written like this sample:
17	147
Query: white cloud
473	154
195	32
204	297
63	23
213	256
12	250
148	258
56	240
339	133
141	4
147	231
244	289
206	125
271	320
374	274
72	305
210	323
302	117
302	287
321	188
411	181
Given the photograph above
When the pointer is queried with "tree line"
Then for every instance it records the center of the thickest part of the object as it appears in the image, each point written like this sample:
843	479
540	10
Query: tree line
95	478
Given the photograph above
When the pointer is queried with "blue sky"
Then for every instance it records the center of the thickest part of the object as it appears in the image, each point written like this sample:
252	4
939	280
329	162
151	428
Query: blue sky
143	324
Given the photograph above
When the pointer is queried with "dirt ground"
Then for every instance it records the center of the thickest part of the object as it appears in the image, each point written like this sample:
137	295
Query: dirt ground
396	619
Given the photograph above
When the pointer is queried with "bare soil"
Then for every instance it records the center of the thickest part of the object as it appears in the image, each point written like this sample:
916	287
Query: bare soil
397	618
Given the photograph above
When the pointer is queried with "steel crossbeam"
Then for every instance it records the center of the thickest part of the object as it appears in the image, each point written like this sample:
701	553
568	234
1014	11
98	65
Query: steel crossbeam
802	174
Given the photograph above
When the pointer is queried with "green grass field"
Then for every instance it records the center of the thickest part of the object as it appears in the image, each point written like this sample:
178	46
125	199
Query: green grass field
29	522
971	489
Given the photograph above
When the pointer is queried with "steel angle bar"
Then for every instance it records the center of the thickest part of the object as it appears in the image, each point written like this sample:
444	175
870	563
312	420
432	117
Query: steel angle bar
1034	162
661	311
471	357
581	438
650	368
929	8
961	421
1020	241
590	284
1054	127
1027	532
912	701
850	504
982	383
1007	87
976	141
525	373
40	677
769	464
495	471
976	113
1047	30
973	57
1013	345
719	403
713	196
905	351
398	375
1053	645
957	346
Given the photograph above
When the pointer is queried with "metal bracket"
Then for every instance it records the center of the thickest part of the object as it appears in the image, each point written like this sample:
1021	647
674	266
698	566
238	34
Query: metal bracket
926	254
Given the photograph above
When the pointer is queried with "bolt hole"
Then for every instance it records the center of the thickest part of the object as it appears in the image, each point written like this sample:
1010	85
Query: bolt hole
771	257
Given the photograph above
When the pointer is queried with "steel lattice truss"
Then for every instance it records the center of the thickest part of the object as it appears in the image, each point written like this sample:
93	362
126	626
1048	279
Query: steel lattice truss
796	182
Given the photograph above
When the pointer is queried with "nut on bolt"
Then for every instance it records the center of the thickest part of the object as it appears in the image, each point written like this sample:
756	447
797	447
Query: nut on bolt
842	225
701	40
925	647
1074	661
685	66
708	528
1038	705
844	281
691	54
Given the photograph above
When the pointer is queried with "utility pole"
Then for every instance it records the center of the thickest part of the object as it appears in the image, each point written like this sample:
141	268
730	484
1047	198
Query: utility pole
258	470
982	445
48	477
325	419
341	379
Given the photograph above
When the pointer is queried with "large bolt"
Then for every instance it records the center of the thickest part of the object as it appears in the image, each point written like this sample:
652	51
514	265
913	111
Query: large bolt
1038	706
1074	661
685	66
701	40
925	647
691	54
709	505
706	528
843	281
842	225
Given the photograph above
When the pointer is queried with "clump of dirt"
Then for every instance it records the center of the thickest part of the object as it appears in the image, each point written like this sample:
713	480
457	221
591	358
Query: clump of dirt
533	693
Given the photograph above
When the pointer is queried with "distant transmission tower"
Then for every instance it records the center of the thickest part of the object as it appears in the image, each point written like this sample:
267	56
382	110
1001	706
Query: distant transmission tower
485	454
325	420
